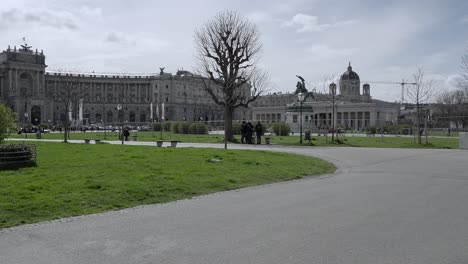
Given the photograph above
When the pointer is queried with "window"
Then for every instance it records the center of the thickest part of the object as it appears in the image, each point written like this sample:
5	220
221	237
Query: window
294	118
109	116
167	99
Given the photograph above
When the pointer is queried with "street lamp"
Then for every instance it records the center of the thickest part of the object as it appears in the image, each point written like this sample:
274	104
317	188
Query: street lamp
26	119
119	107
333	94
301	97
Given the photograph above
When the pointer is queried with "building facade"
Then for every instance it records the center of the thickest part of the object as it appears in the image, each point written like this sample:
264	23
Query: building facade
350	108
41	97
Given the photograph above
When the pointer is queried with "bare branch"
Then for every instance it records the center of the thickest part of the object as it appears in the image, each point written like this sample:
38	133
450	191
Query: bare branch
464	65
228	48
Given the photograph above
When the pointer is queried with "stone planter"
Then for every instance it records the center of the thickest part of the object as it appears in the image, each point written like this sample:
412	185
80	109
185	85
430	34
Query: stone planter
17	155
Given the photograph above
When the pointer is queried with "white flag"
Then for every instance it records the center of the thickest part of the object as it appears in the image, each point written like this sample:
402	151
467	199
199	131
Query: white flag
163	117
151	111
70	107
157	111
80	115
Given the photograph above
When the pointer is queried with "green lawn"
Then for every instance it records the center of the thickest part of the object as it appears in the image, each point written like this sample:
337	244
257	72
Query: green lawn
141	136
370	142
351	141
77	179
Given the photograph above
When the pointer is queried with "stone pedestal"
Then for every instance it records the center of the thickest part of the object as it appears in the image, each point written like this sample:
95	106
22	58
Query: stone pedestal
463	140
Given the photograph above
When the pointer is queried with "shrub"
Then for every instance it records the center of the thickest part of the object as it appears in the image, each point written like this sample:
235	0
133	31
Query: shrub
236	128
184	128
167	126
198	128
372	130
157	126
7	122
339	141
281	129
175	127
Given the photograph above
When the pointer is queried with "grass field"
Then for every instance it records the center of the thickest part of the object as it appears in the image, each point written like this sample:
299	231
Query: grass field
351	141
141	136
77	179
371	142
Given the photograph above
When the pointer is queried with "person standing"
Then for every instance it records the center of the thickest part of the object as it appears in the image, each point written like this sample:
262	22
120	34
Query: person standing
249	132
126	134
243	131
259	132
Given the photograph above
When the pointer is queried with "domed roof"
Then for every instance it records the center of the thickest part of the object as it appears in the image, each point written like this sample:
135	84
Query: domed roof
349	74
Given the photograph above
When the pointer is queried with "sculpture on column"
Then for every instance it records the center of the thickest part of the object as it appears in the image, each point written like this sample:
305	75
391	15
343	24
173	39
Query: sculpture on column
300	86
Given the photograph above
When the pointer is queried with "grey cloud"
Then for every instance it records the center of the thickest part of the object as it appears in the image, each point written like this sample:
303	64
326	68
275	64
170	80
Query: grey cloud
10	15
56	20
464	20
114	37
309	23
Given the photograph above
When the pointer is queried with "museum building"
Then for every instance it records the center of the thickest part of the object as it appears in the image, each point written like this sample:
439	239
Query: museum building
350	108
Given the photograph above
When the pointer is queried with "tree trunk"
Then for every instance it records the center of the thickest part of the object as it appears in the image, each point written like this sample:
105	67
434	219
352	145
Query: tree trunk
425	128
228	135
65	131
418	124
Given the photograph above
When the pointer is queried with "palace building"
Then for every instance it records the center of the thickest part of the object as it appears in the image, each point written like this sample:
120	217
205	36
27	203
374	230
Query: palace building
40	97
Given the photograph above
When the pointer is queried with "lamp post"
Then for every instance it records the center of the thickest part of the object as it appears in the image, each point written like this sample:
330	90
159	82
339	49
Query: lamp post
300	96
26	119
119	107
333	94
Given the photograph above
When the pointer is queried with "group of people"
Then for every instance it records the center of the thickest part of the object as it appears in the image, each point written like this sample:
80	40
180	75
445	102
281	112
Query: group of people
247	130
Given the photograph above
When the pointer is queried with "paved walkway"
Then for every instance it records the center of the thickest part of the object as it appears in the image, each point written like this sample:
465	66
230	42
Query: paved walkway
381	206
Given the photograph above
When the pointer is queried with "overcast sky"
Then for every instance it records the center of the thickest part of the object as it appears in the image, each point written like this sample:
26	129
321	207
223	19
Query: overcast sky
384	40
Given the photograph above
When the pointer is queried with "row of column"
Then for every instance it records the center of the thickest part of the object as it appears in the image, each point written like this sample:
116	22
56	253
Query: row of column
353	120
114	87
268	117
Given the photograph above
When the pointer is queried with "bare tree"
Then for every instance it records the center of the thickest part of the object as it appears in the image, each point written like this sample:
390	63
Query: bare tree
452	108
65	94
464	66
446	108
420	94
329	94
228	48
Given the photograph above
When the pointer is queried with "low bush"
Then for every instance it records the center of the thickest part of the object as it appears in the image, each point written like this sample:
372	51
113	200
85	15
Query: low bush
175	127
184	128
198	128
281	129
157	126
167	126
236	128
